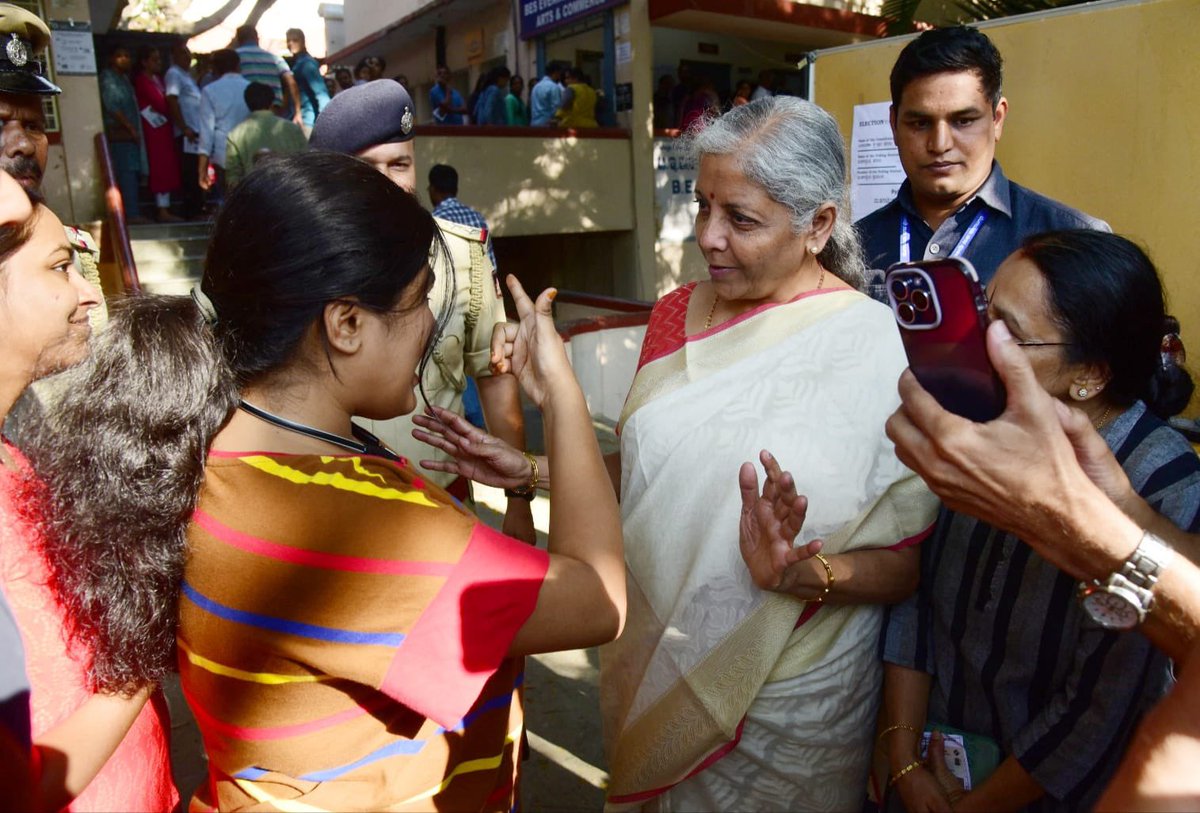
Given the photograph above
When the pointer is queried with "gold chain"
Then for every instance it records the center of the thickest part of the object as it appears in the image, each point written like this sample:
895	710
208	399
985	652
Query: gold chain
713	308
1103	417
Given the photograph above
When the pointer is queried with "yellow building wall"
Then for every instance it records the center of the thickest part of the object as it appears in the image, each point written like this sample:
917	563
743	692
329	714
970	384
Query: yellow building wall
531	186
1104	114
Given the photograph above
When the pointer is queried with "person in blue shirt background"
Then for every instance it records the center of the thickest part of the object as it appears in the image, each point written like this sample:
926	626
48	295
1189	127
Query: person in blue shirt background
447	103
491	109
313	93
546	96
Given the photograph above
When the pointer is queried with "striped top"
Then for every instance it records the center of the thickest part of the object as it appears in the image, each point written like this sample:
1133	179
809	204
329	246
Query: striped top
342	640
260	65
1012	654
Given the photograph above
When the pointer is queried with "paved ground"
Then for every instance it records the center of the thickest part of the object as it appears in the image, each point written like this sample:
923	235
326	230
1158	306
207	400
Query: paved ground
564	770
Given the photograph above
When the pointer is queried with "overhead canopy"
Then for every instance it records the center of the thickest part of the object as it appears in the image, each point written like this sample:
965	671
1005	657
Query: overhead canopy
806	25
418	27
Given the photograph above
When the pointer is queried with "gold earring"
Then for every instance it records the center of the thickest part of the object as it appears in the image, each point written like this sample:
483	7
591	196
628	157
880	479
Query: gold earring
813	250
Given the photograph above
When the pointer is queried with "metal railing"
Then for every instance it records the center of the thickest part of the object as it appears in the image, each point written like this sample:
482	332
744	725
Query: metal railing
625	313
114	245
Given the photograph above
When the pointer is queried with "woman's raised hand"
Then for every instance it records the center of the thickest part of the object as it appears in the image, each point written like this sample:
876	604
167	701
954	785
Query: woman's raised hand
476	455
531	349
770	522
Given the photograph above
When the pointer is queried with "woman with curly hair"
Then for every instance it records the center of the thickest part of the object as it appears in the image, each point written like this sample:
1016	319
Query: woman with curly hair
94	747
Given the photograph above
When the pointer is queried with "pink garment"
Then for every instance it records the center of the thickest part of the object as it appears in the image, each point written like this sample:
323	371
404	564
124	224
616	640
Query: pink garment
160	140
138	775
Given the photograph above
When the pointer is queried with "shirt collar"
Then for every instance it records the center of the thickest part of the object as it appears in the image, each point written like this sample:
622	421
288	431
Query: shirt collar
994	193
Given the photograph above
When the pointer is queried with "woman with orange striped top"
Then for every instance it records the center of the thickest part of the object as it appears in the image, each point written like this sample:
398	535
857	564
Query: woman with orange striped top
346	632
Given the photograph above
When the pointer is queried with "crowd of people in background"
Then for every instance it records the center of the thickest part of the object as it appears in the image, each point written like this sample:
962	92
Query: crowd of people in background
682	100
168	120
172	130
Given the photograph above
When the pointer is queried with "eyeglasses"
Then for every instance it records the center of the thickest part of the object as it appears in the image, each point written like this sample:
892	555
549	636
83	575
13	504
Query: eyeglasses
1044	344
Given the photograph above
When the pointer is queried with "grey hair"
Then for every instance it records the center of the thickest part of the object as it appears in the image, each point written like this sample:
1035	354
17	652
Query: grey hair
792	149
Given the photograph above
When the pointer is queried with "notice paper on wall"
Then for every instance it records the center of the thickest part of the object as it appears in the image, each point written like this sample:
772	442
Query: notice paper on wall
875	170
73	50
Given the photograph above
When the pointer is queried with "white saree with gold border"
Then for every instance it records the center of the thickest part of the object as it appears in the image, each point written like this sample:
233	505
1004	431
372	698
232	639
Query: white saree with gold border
714	697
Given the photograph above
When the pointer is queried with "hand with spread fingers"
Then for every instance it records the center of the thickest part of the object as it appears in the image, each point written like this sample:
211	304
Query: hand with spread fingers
531	349
476	455
769	524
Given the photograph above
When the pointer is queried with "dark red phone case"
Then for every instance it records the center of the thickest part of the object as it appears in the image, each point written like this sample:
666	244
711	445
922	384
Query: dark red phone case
946	340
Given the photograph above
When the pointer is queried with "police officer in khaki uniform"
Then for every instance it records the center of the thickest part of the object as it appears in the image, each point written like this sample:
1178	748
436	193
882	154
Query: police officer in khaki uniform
374	122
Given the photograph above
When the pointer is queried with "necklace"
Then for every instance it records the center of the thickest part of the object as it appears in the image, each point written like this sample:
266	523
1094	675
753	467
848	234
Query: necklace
1103	417
713	308
369	445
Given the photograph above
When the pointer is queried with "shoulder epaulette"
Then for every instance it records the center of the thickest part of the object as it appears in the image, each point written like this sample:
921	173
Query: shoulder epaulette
81	240
459	230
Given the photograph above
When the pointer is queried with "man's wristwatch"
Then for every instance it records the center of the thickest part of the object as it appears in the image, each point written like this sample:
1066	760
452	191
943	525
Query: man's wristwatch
1121	601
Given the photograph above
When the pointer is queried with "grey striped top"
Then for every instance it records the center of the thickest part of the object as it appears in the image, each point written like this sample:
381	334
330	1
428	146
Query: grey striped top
1010	650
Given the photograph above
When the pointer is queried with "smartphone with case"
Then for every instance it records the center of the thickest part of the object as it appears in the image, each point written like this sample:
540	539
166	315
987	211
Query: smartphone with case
942	313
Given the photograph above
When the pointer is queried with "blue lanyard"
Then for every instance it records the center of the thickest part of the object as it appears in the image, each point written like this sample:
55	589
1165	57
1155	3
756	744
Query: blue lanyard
959	249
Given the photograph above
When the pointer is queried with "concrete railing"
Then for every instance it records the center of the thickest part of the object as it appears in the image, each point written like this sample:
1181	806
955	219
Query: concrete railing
603	348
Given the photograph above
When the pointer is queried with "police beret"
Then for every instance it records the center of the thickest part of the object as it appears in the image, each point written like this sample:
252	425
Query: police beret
23	35
379	112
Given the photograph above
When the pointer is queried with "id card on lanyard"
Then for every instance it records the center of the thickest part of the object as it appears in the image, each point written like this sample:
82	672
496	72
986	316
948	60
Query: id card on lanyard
959	249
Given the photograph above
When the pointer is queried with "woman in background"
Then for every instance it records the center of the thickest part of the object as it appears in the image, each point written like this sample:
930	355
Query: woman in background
995	645
123	129
515	107
578	107
742	95
157	134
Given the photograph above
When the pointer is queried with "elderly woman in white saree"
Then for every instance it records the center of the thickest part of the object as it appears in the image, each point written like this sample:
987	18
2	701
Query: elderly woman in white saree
748	677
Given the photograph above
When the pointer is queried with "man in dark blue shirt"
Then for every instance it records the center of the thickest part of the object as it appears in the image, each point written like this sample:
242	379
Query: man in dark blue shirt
947	115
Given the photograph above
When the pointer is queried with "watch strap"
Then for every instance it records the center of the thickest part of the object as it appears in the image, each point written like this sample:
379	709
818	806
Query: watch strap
1134	581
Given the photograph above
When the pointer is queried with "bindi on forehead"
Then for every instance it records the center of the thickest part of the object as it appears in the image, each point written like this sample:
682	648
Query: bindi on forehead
712	196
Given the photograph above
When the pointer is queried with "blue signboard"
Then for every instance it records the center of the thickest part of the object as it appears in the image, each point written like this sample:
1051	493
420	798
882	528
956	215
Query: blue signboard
540	16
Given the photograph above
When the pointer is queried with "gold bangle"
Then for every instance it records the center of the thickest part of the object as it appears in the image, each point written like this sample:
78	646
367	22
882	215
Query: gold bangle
907	769
533	480
829	579
897	727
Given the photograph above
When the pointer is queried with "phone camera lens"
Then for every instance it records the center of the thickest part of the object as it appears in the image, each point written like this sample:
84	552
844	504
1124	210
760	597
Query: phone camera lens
899	289
920	300
906	312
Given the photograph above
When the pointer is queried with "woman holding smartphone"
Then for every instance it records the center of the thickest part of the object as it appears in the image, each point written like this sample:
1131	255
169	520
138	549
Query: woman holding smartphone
995	648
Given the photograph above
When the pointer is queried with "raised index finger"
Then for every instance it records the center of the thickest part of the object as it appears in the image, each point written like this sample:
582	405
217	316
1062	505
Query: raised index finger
520	298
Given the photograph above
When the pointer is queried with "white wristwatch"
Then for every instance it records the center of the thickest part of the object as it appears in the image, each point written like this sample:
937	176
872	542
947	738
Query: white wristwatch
1121	601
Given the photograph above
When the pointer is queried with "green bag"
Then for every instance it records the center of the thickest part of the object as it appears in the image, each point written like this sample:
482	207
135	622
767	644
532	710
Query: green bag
983	753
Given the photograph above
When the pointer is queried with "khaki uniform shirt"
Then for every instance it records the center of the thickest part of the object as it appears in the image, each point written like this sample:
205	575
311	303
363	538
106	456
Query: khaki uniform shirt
464	348
87	263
